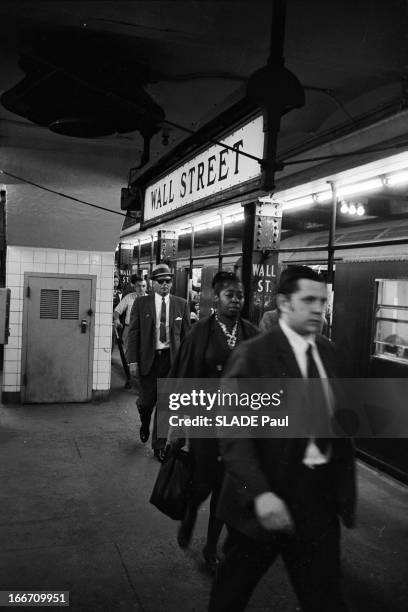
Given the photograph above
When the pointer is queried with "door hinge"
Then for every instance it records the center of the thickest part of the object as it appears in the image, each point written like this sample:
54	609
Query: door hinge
28	291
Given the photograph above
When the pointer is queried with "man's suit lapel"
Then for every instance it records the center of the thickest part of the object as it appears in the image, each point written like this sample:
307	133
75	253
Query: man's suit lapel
171	310
171	320
293	448
326	357
286	357
152	318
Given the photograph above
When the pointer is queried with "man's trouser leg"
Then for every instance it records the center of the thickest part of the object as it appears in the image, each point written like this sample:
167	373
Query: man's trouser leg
312	556
239	572
148	393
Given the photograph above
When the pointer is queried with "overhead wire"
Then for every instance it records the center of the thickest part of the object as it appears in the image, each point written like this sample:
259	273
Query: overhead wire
61	194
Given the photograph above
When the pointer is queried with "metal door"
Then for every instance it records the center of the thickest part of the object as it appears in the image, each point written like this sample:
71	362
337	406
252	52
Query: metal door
58	338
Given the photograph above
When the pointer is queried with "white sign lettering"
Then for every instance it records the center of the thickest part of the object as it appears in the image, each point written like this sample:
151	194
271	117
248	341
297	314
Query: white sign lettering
210	172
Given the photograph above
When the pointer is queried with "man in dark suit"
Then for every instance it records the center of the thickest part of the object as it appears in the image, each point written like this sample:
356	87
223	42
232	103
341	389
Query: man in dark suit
285	496
158	323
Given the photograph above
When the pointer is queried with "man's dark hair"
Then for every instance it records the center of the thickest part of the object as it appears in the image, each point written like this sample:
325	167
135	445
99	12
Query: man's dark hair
135	278
223	278
288	281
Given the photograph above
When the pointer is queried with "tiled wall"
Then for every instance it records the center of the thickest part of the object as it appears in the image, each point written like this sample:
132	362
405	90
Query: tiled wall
24	259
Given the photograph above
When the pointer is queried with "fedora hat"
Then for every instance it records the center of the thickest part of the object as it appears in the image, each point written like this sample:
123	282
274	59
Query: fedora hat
161	270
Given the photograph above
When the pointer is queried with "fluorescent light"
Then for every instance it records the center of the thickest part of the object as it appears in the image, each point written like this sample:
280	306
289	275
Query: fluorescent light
396	179
299	203
371	185
324	196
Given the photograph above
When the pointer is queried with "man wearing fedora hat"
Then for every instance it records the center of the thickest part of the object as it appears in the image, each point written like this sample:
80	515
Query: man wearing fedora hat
158	323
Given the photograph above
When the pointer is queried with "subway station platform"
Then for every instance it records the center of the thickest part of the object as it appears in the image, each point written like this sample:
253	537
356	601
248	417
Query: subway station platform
74	516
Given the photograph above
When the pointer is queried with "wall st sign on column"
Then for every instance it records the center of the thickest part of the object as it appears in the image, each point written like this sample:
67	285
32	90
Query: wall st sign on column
212	171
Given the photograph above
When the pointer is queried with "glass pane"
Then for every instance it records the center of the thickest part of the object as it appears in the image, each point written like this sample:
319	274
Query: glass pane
391	340
393	292
392	313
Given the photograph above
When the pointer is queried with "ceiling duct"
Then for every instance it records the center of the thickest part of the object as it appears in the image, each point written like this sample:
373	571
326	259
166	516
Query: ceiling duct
83	83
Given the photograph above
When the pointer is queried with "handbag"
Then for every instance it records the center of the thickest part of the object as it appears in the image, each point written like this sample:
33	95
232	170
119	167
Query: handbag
172	487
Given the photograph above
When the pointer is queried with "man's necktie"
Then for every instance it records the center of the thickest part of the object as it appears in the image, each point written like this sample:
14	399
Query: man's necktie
163	335
318	401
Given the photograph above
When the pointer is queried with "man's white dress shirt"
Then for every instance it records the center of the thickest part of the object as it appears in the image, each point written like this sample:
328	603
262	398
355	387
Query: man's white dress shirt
300	344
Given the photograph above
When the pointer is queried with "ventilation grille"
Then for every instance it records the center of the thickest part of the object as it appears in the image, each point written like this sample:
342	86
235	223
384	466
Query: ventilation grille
49	302
69	304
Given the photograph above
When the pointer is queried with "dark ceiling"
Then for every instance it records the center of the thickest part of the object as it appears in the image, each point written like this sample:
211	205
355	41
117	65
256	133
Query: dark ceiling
121	67
110	72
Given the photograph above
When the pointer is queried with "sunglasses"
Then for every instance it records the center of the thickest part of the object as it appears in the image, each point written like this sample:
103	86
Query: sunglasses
161	281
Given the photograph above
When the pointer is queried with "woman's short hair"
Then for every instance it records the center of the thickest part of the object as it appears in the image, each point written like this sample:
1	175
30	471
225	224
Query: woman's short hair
223	278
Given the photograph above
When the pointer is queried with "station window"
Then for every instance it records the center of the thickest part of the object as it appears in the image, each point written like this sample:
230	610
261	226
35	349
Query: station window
391	320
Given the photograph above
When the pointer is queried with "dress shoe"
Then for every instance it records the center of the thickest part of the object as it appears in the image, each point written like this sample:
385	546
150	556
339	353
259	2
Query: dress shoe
160	454
144	433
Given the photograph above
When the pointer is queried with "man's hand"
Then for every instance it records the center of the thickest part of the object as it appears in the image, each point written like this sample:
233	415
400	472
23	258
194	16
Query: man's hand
117	324
272	513
133	369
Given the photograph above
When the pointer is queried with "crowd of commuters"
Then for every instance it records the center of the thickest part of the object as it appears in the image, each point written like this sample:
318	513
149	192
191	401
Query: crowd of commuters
275	496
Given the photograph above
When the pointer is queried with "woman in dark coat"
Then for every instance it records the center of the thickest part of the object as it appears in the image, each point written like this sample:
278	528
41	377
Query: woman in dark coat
203	354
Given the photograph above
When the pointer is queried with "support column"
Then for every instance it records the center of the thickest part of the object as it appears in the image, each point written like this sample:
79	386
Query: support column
125	258
166	251
262	231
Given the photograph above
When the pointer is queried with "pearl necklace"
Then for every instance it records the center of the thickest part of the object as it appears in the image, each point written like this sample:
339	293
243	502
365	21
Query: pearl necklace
230	336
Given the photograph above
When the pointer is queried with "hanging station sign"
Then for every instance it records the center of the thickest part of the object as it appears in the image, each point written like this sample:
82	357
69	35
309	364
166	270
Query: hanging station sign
212	171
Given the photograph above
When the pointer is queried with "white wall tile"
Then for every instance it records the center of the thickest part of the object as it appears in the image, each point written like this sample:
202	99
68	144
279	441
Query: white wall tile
15	330
51	256
51	267
16	317
13	254
16	293
106	295
10	367
11	388
70	269
27	255
95	259
106	307
84	258
105	318
104	366
12	354
93	269
39	256
105	331
14	280
40	267
108	259
14	342
107	272
11	379
71	257
16	305
13	267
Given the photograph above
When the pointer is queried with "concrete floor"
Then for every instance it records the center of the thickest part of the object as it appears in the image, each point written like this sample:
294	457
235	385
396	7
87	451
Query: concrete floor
75	516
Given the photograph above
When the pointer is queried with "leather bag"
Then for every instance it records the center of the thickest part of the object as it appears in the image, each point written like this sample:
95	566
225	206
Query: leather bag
172	487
